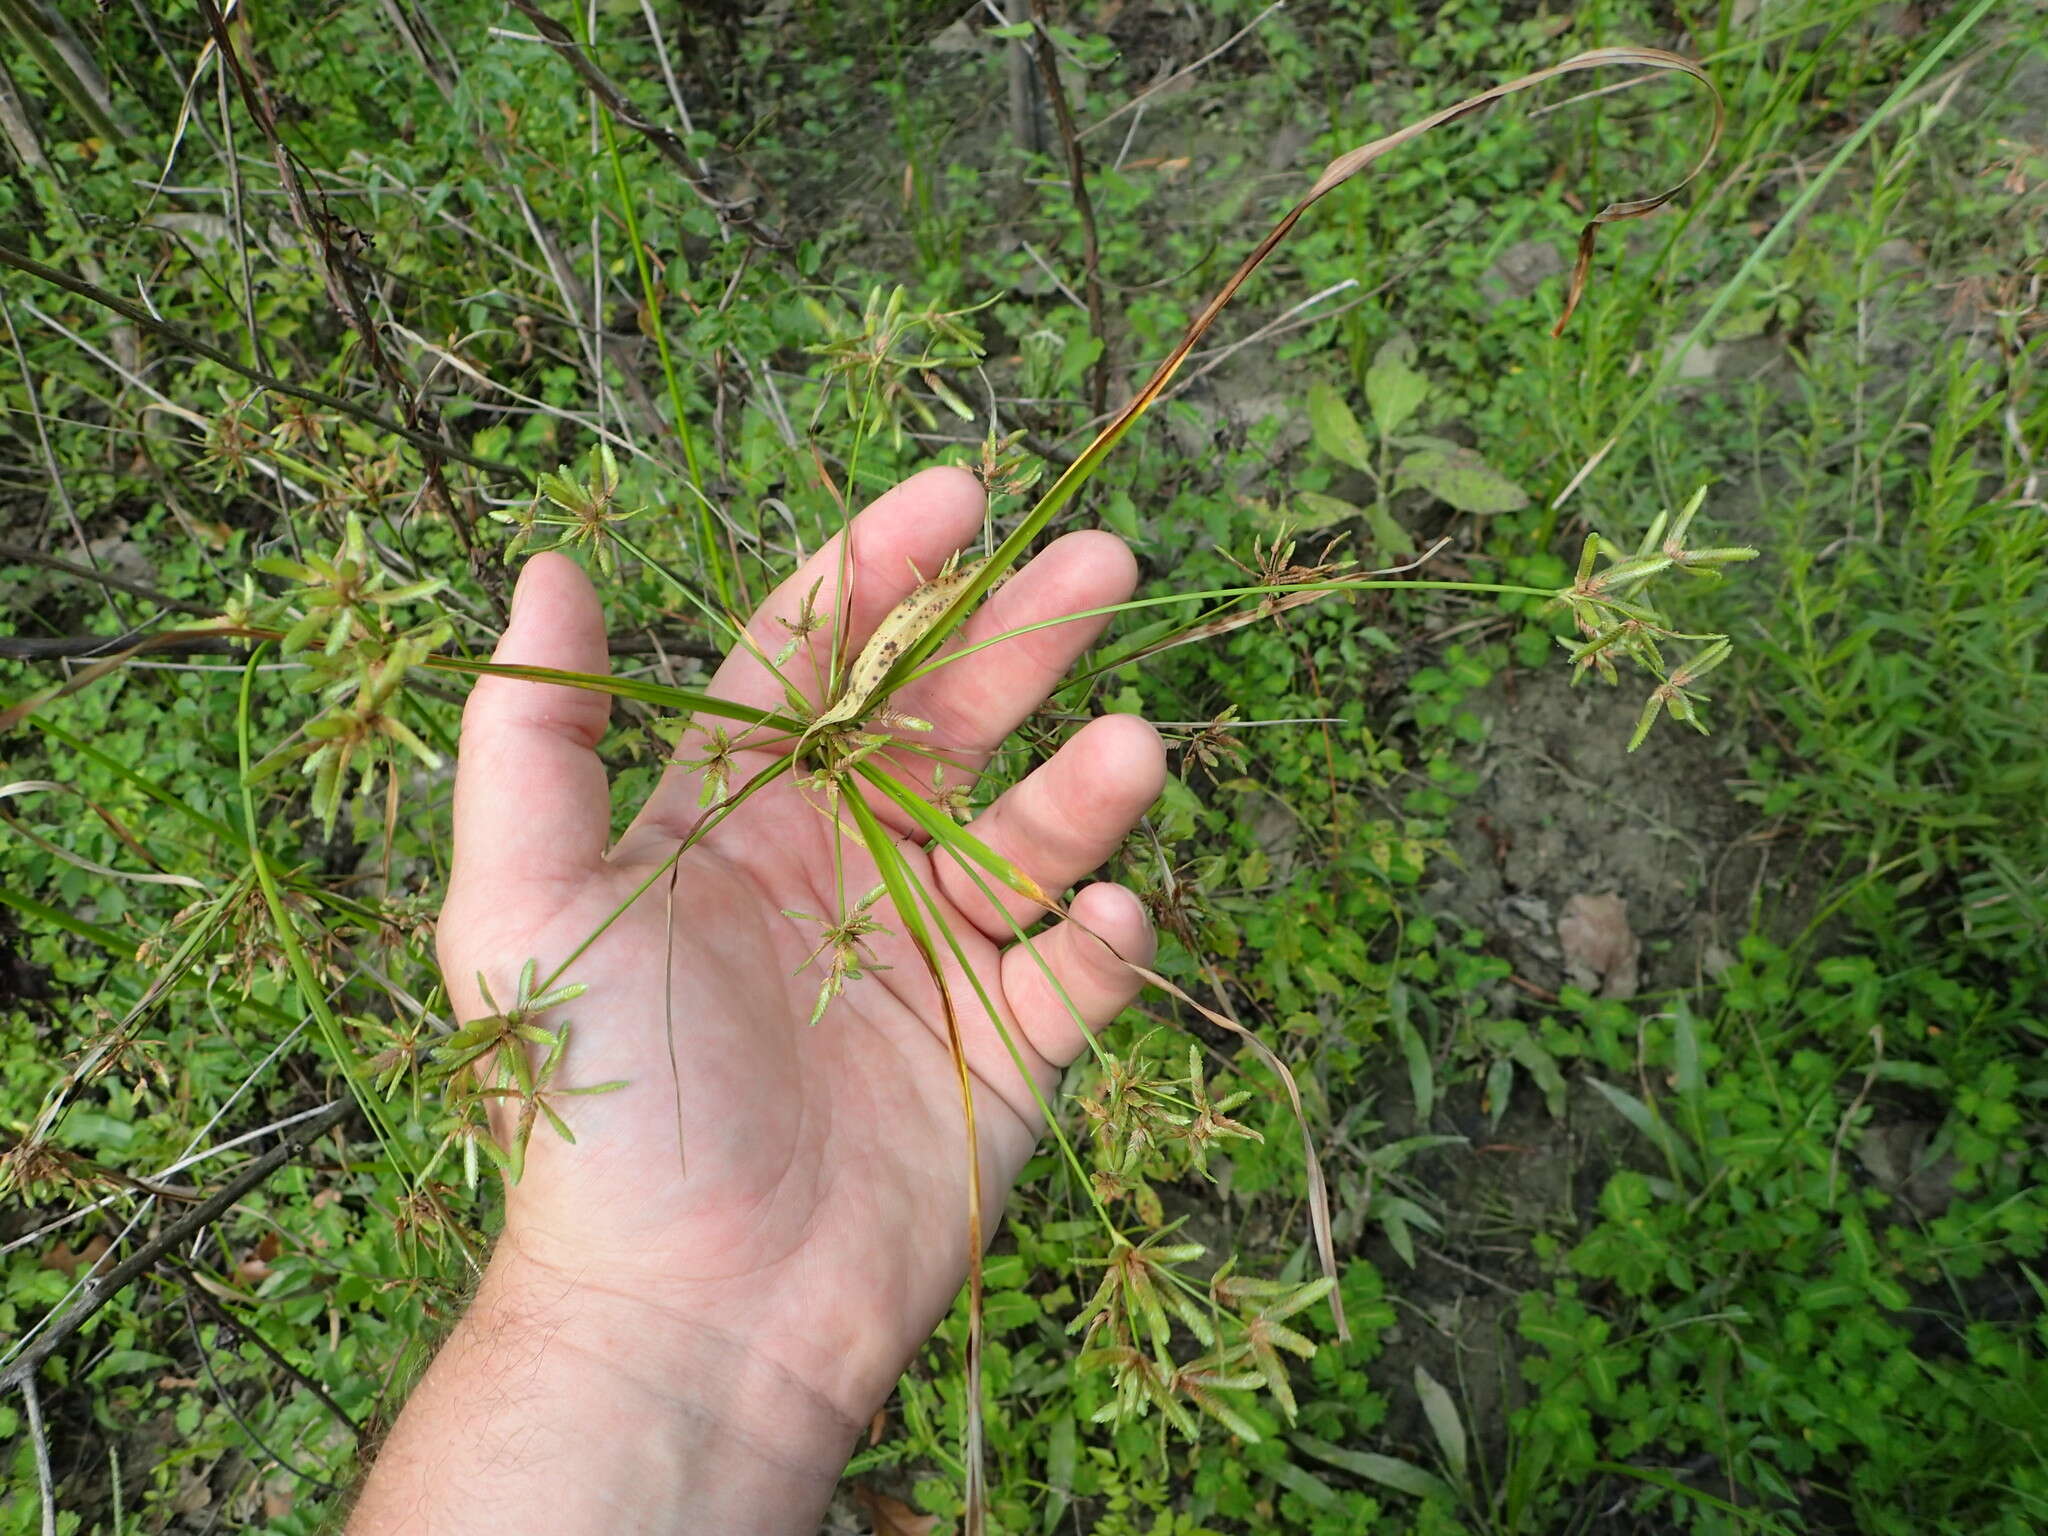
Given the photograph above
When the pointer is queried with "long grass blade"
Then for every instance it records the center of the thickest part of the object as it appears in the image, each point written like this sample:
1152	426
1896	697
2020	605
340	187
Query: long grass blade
896	876
1339	171
311	993
691	700
1791	219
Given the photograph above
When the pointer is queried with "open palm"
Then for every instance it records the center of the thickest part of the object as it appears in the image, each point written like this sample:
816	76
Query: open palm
800	1192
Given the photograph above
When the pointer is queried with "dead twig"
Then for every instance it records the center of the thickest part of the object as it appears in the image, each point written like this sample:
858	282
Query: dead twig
39	1438
1077	181
320	227
220	1391
96	1293
198	1292
16	554
21	261
1217	52
83	92
197	643
665	140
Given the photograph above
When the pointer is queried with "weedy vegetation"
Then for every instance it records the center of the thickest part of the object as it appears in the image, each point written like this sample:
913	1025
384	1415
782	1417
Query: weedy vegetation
1443	1211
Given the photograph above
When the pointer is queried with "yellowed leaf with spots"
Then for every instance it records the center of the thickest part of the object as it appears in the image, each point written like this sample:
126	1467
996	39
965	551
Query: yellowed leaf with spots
907	623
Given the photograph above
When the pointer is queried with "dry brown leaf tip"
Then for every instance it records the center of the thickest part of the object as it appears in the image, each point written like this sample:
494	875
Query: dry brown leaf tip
889	1515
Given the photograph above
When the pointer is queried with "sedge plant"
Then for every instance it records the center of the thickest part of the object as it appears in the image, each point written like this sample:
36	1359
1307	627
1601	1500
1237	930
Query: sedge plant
842	738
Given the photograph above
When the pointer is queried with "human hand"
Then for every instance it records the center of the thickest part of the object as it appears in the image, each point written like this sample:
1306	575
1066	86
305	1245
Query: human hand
772	1274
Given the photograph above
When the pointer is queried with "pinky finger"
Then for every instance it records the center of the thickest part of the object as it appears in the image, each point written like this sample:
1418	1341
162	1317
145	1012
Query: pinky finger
1074	981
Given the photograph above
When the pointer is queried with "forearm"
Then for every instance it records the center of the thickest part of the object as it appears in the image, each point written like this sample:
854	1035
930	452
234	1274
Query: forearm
566	1409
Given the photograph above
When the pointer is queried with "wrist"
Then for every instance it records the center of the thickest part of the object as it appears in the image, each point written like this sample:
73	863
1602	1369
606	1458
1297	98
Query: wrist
798	1347
566	1405
683	1359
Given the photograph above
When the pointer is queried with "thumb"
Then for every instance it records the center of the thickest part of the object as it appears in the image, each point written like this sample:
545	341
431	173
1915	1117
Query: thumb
530	796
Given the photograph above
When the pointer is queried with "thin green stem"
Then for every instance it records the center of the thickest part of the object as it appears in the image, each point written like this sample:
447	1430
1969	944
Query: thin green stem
702	829
1059	1133
311	996
691	700
707	529
1216	595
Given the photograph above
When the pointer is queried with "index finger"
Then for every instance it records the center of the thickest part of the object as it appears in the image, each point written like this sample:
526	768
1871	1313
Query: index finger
898	541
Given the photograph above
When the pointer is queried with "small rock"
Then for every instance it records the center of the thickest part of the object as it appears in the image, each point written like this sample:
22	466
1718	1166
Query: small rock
1531	925
1521	269
1701	360
1601	953
117	557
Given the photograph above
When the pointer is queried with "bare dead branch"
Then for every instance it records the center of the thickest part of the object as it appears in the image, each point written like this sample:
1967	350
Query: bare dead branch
1077	182
39	1437
320	227
21	261
96	1293
220	1314
100	647
16	554
665	139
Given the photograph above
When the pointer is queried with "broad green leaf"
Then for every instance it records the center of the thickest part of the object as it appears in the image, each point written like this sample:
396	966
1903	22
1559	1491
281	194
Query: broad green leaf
1336	430
1391	1156
1604	1372
1407	1209
1465	480
1831	1293
1551	1334
1005	1311
1387	1471
1314	511
1421	1071
1530	1055
1918	1074
1500	1087
1077	358
1685	1056
1393	388
1389	539
126	1362
1395	1224
1444	1422
1653	1126
1060	1455
1304	1482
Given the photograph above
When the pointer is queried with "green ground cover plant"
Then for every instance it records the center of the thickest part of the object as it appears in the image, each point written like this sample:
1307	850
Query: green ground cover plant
316	322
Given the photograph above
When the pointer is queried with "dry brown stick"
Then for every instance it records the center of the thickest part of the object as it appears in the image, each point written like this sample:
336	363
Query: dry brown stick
39	1439
96	1293
97	647
16	554
1157	86
18	126
665	140
318	228
1024	126
1077	179
227	1401
198	1291
34	42
21	261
